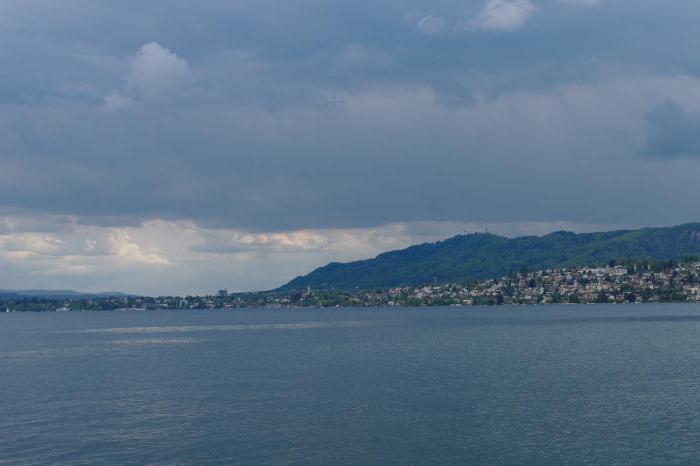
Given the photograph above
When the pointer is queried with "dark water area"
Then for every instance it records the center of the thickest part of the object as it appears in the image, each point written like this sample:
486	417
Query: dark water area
549	385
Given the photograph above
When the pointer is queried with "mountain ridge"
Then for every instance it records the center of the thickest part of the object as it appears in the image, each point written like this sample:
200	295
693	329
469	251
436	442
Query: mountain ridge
479	256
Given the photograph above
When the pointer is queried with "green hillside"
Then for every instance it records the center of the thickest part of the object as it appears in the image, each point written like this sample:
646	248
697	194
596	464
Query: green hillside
481	256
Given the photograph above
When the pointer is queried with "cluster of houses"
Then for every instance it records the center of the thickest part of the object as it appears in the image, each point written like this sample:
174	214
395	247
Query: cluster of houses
572	285
614	284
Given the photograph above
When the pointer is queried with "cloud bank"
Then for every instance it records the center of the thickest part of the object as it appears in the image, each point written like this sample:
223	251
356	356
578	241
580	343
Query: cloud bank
258	119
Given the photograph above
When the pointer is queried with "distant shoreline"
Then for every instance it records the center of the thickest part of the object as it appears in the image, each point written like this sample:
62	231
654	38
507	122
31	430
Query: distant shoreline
634	283
380	307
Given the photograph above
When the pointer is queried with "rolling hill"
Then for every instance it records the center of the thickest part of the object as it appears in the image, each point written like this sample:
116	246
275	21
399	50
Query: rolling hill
481	256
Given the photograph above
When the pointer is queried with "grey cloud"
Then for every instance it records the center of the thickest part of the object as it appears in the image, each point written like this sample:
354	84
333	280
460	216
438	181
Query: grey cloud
453	92
93	43
673	132
383	157
333	114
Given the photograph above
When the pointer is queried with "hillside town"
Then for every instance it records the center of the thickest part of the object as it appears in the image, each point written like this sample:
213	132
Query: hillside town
636	283
571	286
586	285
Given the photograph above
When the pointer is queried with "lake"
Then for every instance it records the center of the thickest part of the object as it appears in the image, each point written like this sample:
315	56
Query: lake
545	385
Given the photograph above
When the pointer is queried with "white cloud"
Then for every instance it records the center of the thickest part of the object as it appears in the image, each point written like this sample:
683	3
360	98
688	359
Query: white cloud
90	245
155	70
51	257
29	244
582	2
115	102
126	249
140	259
428	24
504	15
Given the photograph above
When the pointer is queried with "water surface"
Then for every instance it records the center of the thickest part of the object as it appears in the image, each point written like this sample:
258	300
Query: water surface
543	385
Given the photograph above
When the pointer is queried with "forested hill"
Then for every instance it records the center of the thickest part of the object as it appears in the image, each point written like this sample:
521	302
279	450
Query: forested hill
482	256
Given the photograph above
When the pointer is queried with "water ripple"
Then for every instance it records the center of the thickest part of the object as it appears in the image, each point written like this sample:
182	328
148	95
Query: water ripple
226	328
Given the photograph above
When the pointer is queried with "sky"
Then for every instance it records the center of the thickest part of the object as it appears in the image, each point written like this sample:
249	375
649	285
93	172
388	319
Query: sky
175	147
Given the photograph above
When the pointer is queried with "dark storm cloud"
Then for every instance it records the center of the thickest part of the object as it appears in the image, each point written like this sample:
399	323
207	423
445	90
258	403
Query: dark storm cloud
269	115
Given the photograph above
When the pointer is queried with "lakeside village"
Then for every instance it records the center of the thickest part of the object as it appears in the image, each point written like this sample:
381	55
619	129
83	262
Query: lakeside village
638	283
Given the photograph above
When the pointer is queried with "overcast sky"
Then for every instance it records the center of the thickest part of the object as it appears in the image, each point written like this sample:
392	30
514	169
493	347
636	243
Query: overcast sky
184	146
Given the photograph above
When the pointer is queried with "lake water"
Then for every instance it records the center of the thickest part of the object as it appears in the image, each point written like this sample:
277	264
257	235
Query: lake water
613	385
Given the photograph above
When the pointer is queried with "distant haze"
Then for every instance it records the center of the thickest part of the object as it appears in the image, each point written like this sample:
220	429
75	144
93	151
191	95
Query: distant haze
181	147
